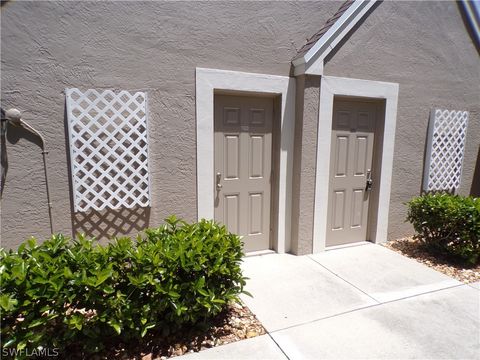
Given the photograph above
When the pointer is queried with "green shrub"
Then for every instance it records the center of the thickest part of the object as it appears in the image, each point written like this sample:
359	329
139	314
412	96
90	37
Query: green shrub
75	294
447	223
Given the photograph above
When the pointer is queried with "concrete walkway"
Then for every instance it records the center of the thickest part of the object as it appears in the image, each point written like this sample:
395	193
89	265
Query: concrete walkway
360	302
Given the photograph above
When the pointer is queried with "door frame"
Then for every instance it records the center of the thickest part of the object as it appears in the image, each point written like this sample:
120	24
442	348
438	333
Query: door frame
374	90
207	82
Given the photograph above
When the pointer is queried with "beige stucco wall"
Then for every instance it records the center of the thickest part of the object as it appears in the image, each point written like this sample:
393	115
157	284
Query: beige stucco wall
154	46
424	47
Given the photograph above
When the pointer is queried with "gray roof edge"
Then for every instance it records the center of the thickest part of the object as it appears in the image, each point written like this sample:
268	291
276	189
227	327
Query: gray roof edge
473	18
335	32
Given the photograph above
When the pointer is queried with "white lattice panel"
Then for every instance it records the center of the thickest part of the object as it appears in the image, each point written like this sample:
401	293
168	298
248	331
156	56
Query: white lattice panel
445	149
108	149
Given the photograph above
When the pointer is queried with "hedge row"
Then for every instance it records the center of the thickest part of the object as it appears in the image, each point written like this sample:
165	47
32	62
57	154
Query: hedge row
66	293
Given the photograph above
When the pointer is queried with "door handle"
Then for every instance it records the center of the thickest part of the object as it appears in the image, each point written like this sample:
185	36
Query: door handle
217	184
368	186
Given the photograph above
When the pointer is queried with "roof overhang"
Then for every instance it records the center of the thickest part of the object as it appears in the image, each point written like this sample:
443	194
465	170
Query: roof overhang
472	13
312	61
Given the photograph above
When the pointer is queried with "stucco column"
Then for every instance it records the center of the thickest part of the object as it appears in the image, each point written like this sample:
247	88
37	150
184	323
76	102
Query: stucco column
303	193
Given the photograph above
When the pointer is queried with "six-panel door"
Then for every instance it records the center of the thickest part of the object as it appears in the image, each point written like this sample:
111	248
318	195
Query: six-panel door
243	155
353	130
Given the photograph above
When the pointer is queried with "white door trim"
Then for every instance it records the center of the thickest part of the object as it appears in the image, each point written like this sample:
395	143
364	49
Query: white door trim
331	86
209	80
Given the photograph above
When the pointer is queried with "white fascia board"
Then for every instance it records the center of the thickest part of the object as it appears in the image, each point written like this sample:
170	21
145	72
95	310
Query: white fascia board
338	31
299	61
299	70
316	68
331	38
473	17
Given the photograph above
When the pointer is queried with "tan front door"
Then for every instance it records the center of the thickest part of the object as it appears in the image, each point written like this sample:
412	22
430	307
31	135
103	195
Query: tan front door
353	131
243	164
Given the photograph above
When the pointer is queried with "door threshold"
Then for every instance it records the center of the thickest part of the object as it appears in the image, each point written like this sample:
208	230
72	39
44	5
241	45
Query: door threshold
260	253
360	243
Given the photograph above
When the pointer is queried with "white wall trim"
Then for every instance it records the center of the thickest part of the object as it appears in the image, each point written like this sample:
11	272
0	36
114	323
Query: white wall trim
330	87
209	80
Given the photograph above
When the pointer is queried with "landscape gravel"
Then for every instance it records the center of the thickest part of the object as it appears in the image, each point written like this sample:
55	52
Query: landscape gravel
413	248
236	323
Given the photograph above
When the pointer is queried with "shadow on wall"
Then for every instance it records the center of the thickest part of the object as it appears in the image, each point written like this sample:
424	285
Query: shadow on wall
16	133
13	134
475	189
423	185
106	224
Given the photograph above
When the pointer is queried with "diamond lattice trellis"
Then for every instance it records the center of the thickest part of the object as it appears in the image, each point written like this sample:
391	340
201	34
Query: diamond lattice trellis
108	149
445	149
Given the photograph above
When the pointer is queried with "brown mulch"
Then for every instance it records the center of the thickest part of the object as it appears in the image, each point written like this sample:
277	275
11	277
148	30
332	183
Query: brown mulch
237	322
414	249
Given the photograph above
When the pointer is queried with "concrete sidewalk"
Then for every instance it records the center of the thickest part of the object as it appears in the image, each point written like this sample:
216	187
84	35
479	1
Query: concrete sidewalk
354	303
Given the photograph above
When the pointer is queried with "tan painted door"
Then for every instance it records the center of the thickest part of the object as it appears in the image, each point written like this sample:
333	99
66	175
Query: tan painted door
243	158
353	132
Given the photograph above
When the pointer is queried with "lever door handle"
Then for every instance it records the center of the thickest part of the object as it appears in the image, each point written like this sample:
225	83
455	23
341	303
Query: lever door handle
369	184
217	184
